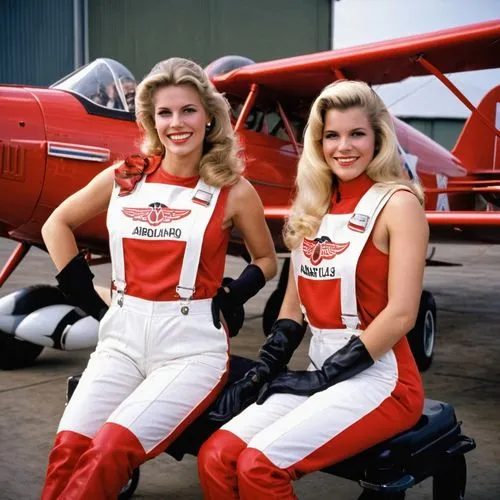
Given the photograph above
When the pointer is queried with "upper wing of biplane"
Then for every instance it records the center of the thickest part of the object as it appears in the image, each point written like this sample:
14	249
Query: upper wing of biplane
465	48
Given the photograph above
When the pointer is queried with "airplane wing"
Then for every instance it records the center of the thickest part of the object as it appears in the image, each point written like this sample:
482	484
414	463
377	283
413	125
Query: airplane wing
449	226
464	48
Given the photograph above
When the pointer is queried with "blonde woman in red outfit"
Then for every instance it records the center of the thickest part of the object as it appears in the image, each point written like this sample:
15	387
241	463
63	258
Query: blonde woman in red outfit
162	354
358	236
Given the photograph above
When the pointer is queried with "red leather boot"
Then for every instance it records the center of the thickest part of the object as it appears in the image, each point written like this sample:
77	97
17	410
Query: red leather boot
67	450
106	466
217	461
260	479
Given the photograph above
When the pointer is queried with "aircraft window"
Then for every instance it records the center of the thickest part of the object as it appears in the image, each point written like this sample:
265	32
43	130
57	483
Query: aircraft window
254	119
274	125
105	82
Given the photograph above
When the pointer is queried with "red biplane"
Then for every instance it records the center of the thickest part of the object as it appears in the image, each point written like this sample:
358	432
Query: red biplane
54	140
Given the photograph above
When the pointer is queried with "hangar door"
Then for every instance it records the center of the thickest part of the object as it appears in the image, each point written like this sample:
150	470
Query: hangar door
139	33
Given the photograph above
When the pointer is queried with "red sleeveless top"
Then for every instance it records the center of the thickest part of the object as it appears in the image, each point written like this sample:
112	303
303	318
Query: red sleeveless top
152	268
322	298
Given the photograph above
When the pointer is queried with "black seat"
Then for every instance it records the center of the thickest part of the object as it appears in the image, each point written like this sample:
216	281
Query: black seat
409	457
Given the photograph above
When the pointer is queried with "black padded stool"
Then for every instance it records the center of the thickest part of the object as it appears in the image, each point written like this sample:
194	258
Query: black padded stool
434	447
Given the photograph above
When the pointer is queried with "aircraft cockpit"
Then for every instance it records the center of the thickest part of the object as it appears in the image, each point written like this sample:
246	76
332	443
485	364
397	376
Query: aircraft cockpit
104	87
269	119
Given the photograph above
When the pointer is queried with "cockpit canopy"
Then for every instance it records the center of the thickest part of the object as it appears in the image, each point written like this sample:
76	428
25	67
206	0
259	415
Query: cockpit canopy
104	82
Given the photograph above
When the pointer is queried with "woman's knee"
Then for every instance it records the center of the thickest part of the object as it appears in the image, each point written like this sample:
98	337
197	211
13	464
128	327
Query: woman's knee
250	461
115	442
259	478
221	450
69	441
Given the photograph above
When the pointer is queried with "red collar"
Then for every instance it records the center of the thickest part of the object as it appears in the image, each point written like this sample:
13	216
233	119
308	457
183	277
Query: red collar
354	188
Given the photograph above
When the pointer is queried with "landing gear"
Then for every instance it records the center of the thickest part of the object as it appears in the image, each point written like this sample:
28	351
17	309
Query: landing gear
423	335
15	352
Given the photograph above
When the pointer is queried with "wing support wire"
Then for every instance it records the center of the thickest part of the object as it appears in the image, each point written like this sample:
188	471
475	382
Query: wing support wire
339	74
453	88
288	128
249	102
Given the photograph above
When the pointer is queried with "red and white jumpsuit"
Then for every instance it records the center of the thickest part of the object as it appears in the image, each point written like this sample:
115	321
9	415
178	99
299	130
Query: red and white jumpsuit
342	285
160	361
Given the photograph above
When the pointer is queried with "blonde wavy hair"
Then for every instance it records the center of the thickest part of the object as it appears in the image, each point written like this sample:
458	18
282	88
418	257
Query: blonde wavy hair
315	181
220	164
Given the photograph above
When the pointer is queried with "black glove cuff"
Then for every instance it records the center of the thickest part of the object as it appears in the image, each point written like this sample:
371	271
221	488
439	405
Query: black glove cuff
348	361
250	281
75	281
75	273
286	335
293	330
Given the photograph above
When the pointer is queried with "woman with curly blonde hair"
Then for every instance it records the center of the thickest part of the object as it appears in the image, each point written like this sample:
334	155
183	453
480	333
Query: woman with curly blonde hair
220	164
358	236
315	179
162	355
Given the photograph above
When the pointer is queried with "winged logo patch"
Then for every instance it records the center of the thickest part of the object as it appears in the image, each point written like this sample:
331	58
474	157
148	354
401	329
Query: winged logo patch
155	214
322	248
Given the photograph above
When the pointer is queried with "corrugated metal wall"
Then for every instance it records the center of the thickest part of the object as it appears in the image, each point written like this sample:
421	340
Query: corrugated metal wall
36	41
139	33
444	131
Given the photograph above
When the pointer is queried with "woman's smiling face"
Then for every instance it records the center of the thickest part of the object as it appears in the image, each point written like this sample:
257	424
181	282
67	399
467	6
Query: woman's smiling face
348	142
180	120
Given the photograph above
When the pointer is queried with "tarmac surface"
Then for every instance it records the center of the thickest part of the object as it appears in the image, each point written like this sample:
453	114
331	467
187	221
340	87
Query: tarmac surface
465	372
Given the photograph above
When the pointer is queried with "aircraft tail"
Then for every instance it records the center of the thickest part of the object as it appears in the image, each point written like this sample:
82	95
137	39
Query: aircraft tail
478	147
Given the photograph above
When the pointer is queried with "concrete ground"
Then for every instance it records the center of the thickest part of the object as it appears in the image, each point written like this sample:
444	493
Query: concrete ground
465	372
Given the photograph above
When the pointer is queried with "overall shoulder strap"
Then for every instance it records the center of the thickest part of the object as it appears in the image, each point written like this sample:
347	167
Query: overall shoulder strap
359	228
204	200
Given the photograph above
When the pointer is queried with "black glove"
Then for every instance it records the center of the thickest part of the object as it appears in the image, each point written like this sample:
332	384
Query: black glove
75	281
348	361
274	355
233	294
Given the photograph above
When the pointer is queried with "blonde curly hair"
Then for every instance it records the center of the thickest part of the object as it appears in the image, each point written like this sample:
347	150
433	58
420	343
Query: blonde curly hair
220	164
315	181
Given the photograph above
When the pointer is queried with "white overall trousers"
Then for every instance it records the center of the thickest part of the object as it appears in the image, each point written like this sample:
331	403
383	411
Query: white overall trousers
157	365
290	435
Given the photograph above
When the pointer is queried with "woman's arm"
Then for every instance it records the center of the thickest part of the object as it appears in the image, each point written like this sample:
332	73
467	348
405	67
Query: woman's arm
57	232
285	336
290	308
247	214
408	236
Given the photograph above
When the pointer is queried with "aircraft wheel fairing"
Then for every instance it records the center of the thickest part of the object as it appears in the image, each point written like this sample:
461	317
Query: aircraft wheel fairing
129	489
16	353
423	335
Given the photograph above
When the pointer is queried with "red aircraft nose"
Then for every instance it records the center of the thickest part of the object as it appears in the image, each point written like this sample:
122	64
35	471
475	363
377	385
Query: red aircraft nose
22	156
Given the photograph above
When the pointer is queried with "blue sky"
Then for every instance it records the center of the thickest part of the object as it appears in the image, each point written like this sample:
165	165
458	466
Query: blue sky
364	21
